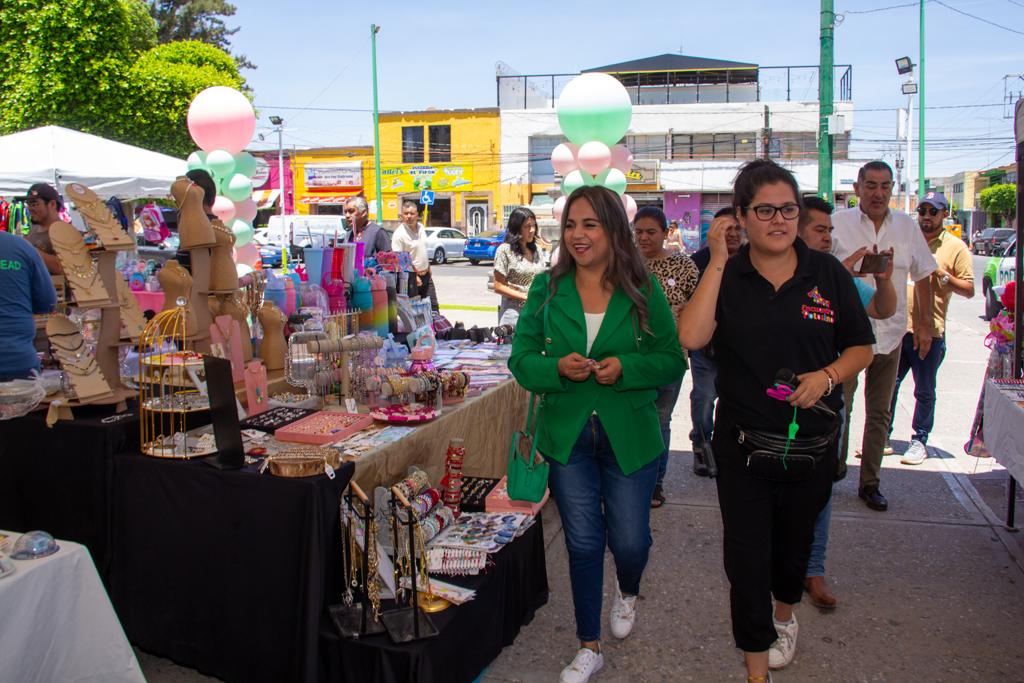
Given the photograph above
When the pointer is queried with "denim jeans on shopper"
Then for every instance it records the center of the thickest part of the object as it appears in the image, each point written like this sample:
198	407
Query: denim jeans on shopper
926	372
819	546
599	506
666	403
702	397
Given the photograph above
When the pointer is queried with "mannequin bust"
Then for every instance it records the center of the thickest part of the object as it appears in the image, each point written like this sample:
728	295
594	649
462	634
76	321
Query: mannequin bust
177	283
272	346
194	227
229	305
223	274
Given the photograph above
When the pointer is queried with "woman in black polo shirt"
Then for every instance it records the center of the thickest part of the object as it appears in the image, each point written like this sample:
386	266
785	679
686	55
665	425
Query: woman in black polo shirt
775	306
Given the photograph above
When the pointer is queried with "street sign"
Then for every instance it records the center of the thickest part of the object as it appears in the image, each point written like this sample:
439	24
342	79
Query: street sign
427	197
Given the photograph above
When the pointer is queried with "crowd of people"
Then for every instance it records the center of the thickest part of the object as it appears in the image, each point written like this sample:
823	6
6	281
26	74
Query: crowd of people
778	315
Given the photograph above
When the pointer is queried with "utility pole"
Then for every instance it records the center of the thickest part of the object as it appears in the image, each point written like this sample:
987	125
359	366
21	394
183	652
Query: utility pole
766	137
374	29
825	98
921	189
910	139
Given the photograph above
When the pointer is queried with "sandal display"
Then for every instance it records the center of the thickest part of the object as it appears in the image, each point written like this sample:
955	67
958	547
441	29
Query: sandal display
194	228
76	360
80	270
98	217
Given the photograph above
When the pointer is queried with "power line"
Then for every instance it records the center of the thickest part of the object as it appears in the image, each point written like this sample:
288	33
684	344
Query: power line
879	9
977	18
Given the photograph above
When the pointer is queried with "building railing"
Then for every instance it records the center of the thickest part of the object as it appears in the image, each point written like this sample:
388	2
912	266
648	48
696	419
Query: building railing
764	84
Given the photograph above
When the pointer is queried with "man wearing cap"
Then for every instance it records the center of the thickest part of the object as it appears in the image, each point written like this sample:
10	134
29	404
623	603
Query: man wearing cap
44	204
954	275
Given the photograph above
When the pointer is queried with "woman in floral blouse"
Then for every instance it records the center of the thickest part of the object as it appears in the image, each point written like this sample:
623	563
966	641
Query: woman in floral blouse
516	263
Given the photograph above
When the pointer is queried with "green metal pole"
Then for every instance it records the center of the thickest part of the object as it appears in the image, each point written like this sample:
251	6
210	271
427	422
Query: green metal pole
825	100
921	189
376	120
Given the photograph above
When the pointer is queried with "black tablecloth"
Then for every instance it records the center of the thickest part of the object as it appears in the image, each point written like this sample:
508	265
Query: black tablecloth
226	572
471	635
59	479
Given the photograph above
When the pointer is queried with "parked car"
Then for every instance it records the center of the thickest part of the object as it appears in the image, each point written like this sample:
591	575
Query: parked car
993	241
157	251
444	243
1003	272
482	247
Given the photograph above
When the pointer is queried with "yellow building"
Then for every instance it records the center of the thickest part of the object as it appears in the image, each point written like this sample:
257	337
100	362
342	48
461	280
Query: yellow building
454	153
325	178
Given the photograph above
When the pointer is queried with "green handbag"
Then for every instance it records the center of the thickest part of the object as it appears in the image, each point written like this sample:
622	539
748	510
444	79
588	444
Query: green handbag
527	478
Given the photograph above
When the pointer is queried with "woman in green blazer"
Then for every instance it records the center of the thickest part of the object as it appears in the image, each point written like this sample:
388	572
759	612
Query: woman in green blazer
596	339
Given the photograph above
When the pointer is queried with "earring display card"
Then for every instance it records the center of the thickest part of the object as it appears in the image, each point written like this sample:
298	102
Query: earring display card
275	418
474	493
324	427
256	387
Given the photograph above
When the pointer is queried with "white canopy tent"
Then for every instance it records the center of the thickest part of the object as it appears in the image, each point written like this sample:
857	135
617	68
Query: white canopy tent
59	156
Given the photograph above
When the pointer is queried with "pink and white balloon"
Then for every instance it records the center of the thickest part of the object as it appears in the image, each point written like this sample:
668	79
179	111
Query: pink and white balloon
224	209
629	204
594	157
558	208
221	118
563	158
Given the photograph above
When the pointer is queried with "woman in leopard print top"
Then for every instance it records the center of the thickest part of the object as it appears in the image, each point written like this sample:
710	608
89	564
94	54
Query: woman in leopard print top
516	263
677	274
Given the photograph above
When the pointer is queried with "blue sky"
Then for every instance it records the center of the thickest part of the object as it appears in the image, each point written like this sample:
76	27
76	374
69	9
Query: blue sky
315	54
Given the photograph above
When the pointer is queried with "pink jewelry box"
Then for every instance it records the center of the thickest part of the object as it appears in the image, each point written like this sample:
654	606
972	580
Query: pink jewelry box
323	427
498	501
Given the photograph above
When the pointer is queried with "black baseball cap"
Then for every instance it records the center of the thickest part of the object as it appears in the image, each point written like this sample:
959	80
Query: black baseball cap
44	192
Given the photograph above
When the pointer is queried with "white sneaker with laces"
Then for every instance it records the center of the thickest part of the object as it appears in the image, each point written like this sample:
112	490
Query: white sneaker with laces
585	664
916	453
784	648
623	614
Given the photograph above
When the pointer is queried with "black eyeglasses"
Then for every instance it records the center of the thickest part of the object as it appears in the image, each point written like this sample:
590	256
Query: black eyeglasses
927	210
766	212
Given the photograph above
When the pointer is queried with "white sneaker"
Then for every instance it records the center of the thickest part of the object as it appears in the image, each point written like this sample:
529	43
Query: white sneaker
585	664
784	648
916	453
623	614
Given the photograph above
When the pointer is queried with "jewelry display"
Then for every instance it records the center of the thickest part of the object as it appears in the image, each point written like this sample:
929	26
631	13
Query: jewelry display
79	268
76	359
255	376
323	427
304	461
272	346
194	227
226	332
132	319
275	418
99	218
189	401
404	414
485	531
223	274
452	481
231	304
176	282
360	610
456	561
474	493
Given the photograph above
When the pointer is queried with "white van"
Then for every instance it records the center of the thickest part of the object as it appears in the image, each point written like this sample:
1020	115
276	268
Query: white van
307	231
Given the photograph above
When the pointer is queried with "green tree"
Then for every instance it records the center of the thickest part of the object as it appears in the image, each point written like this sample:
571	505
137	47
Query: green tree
89	65
201	20
1000	200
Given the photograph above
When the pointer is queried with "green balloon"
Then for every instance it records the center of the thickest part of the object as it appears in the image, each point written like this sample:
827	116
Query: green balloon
196	160
572	182
594	106
613	179
588	179
220	163
245	164
238	188
243	232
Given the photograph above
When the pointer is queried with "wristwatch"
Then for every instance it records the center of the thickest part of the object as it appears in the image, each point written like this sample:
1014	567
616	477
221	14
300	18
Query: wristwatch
944	280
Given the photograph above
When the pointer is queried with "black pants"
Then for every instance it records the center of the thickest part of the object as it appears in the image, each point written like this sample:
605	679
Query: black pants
769	527
424	290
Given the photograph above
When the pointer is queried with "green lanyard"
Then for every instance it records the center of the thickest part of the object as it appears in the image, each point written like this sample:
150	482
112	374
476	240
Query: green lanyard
793	429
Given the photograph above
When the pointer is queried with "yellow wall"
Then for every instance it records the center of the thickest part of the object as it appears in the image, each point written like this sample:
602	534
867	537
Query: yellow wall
327	155
475	142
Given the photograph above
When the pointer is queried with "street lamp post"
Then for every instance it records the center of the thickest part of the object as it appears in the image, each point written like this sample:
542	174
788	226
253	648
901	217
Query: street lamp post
278	123
906	67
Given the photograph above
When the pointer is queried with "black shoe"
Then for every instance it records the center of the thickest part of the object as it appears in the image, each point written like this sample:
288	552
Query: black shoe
874	499
700	468
840	472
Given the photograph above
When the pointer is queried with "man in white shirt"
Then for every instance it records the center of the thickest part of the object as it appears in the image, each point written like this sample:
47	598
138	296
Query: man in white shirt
872	224
411	237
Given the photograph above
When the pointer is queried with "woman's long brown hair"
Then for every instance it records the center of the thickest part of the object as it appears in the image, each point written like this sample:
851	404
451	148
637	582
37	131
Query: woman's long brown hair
625	267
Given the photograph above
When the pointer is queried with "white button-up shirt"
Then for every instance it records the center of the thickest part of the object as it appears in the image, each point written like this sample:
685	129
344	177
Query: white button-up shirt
416	245
853	229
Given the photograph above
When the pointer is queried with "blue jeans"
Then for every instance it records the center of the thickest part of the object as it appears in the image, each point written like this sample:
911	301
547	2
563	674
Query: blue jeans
702	398
816	562
666	403
926	372
599	505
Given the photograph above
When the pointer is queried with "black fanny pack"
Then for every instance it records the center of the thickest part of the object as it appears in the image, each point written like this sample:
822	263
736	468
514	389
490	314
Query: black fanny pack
769	456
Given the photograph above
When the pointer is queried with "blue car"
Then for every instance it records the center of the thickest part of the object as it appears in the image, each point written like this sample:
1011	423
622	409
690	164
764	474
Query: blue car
271	257
482	247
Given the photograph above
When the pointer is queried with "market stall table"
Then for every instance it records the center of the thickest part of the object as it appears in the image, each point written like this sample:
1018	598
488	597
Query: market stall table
58	624
470	635
1004	434
224	571
59	478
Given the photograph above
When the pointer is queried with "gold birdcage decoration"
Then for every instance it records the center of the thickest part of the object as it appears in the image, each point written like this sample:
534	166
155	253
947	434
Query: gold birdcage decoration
168	380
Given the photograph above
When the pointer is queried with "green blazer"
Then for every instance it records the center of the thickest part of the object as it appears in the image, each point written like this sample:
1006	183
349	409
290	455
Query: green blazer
626	409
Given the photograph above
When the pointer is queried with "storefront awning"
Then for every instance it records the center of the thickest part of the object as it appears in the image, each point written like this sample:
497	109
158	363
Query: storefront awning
333	199
265	198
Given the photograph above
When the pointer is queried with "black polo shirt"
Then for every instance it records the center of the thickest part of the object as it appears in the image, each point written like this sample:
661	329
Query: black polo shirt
803	326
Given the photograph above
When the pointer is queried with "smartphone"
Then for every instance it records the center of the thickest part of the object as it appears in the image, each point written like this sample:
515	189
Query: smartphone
874	263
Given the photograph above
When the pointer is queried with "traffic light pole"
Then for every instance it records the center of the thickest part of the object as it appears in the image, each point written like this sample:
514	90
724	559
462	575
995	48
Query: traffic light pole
921	189
825	100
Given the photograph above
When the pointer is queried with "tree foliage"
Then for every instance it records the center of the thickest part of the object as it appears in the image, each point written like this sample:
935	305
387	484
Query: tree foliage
1000	200
201	20
91	65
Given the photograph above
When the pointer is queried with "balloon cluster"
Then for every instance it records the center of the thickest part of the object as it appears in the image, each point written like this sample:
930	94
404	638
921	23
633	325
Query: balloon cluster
221	121
594	111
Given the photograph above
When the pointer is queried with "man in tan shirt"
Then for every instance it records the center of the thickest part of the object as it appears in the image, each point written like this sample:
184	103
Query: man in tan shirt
954	275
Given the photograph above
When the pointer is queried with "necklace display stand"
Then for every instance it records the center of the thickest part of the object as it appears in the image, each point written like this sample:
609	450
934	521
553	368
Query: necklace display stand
225	331
359	612
229	304
98	218
81	272
409	623
272	346
256	388
194	228
223	273
176	283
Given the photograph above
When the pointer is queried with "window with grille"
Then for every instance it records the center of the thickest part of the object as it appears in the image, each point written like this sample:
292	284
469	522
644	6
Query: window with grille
440	143
412	145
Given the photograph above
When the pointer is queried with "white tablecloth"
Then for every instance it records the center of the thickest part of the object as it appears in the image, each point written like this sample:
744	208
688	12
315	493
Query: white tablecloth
57	623
1004	430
